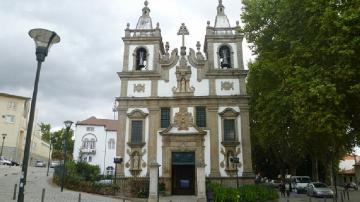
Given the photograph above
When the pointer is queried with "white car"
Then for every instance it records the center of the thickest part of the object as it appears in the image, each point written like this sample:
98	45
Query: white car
4	161
40	164
319	189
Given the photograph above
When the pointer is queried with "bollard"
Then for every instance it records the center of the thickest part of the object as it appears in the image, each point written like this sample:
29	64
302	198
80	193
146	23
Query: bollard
324	199
79	200
309	198
15	188
347	191
43	195
342	197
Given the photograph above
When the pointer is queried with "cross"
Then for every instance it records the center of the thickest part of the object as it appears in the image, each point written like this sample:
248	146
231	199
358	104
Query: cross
183	31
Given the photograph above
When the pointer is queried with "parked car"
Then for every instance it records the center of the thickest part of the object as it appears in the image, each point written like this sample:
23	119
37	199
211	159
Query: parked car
40	163
275	183
319	189
351	185
299	183
54	163
4	161
14	163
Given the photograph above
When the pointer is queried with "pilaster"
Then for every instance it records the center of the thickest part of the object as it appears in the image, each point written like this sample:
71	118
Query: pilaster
154	181
120	140
212	116
246	143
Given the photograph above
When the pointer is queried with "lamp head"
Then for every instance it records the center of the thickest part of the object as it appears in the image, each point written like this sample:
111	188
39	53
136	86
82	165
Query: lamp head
68	124
44	39
4	135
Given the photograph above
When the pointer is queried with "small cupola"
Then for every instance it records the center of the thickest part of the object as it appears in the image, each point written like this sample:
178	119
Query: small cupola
144	21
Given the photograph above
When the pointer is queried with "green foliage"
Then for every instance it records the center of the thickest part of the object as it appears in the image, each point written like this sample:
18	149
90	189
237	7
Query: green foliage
45	132
245	193
82	176
57	137
304	85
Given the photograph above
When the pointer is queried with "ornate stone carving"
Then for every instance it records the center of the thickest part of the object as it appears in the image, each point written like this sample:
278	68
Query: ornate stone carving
139	88
183	119
183	74
226	85
135	162
229	113
228	152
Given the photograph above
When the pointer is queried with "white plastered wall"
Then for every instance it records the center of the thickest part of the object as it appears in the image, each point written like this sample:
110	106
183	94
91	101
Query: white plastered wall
235	90
131	92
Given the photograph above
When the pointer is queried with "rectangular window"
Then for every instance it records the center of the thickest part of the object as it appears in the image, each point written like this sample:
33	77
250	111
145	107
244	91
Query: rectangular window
201	116
229	130
9	118
136	131
12	105
91	129
165	117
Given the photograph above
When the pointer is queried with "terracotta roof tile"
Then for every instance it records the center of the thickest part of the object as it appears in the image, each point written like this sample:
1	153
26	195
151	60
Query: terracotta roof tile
110	125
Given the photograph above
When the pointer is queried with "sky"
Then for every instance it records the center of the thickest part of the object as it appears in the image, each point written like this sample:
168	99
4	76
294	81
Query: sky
78	78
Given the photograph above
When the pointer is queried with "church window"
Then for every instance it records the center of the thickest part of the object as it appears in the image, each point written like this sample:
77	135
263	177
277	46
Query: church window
165	117
201	116
229	130
136	131
90	159
111	144
225	57
141	59
89	142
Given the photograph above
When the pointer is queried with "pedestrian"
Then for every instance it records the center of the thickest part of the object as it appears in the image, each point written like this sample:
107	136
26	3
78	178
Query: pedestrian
282	188
287	189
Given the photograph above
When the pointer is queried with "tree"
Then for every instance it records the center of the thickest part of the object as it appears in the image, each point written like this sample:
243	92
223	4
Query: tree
45	132
58	144
305	83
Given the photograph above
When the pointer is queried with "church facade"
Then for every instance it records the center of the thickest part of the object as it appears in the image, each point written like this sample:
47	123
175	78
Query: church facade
184	110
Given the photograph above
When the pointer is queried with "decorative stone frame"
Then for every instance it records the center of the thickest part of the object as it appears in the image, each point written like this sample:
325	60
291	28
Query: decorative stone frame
136	151
147	58
232	62
229	148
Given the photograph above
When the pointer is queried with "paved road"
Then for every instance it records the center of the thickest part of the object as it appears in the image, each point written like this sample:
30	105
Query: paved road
36	181
354	196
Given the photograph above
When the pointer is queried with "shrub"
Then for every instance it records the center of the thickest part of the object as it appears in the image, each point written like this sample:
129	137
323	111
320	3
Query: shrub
245	193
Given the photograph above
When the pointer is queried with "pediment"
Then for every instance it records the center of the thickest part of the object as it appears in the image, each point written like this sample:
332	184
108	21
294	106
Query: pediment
229	112
175	130
137	114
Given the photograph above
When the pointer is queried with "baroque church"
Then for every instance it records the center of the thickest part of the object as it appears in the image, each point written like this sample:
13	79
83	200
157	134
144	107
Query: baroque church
184	113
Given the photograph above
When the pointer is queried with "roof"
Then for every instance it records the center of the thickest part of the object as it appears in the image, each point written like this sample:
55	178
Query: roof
109	124
14	96
347	172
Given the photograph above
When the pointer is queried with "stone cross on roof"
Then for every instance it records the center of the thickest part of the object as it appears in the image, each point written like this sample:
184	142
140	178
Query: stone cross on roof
183	31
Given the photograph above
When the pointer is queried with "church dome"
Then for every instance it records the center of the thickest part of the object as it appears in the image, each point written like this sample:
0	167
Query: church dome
144	21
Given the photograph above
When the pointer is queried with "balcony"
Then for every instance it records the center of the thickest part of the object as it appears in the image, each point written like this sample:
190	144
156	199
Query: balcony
88	151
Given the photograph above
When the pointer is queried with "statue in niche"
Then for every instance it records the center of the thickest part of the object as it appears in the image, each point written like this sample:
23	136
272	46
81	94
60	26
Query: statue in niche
136	161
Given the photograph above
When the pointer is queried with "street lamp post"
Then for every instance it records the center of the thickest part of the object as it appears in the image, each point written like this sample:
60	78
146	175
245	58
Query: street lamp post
117	160
2	144
43	40
51	140
68	126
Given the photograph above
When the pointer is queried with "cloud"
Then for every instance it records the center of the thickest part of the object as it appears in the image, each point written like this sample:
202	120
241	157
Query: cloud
78	78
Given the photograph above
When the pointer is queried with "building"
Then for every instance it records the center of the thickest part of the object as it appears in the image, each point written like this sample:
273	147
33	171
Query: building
349	170
95	143
14	111
185	110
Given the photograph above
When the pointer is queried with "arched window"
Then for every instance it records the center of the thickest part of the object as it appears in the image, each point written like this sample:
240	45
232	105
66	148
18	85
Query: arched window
111	144
85	143
141	59
225	57
92	143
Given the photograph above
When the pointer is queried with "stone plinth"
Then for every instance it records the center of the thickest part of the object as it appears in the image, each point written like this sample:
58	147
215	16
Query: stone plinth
154	178
200	174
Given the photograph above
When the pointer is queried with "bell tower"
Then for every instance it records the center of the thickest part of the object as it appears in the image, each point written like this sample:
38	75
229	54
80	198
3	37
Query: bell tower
142	47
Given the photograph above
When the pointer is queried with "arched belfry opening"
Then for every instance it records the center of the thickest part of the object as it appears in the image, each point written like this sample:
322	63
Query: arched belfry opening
225	57
141	59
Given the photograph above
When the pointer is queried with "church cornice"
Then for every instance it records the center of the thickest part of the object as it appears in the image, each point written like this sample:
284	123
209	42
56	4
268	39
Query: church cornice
226	72
139	74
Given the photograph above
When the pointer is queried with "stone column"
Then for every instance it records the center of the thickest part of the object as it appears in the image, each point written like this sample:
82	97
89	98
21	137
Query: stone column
154	181
120	140
212	118
246	143
200	175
